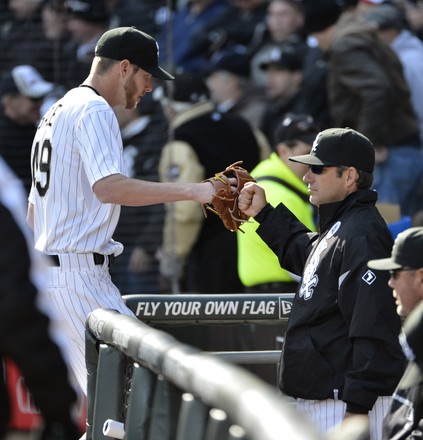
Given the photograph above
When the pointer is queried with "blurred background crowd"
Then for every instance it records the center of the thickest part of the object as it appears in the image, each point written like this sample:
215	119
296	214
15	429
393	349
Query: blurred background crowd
255	81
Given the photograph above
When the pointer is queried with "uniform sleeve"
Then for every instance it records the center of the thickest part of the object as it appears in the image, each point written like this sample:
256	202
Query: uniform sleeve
100	144
368	307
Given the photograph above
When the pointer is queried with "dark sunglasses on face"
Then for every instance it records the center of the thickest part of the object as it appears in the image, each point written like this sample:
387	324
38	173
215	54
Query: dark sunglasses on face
318	169
395	273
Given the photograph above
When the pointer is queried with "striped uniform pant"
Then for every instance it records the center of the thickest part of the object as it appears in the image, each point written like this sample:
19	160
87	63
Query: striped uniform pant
76	288
328	414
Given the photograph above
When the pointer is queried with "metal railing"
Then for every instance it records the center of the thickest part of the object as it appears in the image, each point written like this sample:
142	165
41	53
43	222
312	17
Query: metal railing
144	384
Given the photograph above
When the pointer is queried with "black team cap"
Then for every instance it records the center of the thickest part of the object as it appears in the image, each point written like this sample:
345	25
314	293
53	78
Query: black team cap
406	252
340	146
129	43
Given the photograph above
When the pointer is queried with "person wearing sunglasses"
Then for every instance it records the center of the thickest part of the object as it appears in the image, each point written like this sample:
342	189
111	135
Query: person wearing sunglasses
405	266
341	353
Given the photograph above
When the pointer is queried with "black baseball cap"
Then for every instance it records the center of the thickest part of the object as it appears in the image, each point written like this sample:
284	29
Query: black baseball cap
296	126
406	252
188	88
321	14
134	45
92	11
340	146
287	57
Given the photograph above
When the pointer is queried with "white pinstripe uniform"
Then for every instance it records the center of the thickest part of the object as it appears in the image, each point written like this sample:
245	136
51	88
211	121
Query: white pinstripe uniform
77	143
327	414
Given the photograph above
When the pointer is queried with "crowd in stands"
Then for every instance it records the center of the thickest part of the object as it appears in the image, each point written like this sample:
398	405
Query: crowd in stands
258	60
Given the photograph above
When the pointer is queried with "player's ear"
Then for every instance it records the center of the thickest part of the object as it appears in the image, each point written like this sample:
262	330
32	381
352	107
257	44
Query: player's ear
125	67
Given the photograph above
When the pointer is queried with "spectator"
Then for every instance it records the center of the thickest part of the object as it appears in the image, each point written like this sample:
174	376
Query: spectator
391	26
144	15
282	181
22	92
341	354
284	79
25	330
55	30
414	13
87	21
22	39
283	23
233	29
144	133
231	89
202	141
404	419
185	23
368	92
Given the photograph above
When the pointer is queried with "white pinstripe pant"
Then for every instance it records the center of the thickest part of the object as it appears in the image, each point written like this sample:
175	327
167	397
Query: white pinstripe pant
75	289
327	414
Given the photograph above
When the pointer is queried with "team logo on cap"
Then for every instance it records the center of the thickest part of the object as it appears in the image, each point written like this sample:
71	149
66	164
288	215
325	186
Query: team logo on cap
316	143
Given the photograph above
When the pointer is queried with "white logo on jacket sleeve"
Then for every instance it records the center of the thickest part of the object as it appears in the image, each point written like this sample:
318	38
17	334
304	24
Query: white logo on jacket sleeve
368	277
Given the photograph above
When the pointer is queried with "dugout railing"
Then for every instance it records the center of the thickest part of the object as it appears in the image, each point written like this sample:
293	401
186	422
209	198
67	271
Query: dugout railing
144	384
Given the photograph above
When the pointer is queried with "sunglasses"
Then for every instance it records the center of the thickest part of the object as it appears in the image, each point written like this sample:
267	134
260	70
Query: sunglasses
319	169
395	273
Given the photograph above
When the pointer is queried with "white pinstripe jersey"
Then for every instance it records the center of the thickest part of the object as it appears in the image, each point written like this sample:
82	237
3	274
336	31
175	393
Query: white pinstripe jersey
77	143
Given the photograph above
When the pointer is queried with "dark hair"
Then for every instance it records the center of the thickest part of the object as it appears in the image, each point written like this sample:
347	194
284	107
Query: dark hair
364	179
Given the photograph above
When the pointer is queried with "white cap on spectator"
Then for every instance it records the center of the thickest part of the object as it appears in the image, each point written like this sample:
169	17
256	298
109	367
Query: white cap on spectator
29	82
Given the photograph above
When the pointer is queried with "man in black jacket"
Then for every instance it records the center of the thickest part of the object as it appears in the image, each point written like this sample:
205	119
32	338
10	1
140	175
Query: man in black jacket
341	354
404	419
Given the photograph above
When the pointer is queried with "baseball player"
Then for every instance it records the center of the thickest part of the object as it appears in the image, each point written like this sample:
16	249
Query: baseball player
79	182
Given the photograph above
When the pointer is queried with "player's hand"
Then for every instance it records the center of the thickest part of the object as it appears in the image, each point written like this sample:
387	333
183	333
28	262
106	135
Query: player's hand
206	191
252	199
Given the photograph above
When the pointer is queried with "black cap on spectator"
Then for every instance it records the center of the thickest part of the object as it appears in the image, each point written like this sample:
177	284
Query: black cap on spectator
188	88
294	127
94	11
320	14
230	61
286	57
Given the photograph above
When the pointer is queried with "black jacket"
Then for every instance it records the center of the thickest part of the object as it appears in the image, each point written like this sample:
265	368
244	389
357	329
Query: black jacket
342	335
